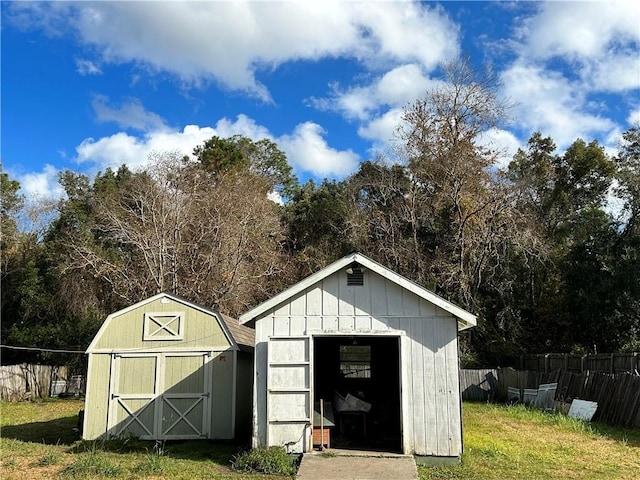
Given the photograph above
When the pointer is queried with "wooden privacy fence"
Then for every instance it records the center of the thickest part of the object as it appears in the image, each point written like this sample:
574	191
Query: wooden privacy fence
617	395
24	381
600	362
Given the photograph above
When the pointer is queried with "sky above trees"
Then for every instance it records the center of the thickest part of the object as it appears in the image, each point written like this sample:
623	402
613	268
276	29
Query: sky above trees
86	86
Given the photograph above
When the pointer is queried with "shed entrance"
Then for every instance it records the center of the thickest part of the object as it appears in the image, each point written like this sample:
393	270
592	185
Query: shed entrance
360	377
160	395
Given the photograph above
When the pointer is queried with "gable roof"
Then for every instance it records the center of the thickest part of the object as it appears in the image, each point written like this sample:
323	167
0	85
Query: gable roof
465	319
239	336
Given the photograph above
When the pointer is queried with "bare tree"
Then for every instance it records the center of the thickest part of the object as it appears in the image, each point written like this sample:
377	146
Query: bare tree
454	172
214	240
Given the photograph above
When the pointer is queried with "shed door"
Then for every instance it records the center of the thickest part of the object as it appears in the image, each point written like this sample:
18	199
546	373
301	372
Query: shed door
184	411
289	393
133	406
160	396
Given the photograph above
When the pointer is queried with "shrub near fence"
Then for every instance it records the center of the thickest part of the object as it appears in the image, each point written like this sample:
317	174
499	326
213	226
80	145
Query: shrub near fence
617	395
24	381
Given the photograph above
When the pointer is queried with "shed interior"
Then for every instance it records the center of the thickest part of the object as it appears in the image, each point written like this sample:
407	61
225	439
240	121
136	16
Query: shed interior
350	370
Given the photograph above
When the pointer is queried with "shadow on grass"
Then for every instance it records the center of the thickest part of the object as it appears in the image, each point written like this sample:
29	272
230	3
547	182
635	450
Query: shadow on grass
218	452
628	436
61	431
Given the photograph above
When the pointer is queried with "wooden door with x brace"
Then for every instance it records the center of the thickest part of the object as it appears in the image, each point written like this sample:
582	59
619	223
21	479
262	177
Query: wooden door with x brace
160	396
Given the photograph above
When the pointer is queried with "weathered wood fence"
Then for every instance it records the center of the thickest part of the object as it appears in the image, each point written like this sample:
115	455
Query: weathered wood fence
24	381
617	395
600	362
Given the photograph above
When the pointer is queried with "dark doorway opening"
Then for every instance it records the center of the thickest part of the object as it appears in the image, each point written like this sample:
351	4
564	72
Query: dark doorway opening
359	376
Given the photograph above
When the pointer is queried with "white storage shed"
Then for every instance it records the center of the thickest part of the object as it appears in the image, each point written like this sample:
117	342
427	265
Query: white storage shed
378	350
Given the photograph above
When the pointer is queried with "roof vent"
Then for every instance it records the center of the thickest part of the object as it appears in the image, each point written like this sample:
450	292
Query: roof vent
355	275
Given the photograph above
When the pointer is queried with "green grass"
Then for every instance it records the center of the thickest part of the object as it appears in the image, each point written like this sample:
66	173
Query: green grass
37	440
503	442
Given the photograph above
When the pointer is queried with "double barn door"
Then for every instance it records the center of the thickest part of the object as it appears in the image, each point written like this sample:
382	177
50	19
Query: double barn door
160	396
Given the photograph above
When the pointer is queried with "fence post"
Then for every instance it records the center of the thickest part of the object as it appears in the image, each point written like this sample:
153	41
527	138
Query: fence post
546	363
612	364
521	362
583	364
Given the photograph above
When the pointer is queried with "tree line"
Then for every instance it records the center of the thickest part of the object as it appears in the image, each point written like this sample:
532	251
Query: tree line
534	249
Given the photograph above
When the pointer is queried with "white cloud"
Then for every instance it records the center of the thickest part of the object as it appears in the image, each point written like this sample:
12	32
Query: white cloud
130	114
546	101
242	125
598	39
503	143
308	151
41	185
230	41
583	30
382	129
570	53
634	116
305	147
122	148
394	88
87	67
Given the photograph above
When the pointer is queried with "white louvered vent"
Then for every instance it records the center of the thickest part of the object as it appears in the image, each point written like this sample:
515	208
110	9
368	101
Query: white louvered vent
355	275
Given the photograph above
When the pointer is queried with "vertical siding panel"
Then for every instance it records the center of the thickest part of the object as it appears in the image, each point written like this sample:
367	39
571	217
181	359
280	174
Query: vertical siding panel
298	305
363	296
363	324
346	295
410	304
406	373
427	309
441	388
263	331
346	323
419	387
394	299
222	398
281	326
98	381
379	307
330	324
408	392
393	323
379	324
430	400
314	300
314	324
330	295
297	326
283	310
453	366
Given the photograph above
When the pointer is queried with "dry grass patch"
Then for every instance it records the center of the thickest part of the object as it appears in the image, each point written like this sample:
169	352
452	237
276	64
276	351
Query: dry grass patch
504	442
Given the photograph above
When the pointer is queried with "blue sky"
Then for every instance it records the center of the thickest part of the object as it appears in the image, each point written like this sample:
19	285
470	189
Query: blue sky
86	86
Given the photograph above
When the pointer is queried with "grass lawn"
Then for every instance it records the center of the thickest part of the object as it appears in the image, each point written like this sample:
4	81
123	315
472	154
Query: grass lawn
38	441
515	442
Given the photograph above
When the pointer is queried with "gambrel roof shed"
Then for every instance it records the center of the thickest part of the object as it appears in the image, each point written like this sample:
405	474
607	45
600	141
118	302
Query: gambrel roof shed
358	330
167	368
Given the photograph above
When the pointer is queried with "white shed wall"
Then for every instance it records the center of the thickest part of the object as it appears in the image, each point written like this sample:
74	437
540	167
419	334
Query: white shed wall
431	397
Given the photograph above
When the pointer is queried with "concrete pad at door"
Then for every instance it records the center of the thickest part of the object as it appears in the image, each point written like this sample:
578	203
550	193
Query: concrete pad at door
325	467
